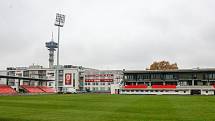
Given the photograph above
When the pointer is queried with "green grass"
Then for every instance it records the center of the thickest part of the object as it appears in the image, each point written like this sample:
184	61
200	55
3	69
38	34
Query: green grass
104	107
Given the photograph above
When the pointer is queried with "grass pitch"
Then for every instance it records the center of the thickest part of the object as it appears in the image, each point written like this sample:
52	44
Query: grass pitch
104	107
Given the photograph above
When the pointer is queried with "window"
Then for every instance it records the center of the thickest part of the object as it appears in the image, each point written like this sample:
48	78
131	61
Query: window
156	76
126	77
146	76
169	76
206	91
73	79
102	88
211	76
50	84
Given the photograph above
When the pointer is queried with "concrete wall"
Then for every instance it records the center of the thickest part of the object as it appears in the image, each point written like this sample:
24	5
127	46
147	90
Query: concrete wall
207	92
156	92
3	80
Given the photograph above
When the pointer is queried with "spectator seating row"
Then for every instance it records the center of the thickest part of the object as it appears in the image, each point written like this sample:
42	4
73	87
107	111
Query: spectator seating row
37	89
153	86
5	89
47	89
164	86
135	86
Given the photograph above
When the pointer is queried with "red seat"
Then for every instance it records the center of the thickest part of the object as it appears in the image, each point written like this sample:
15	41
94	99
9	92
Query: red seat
47	89
135	86
5	89
32	89
164	86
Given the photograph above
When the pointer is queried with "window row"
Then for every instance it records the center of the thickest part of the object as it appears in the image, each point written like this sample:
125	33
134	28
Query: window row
97	83
150	91
98	88
170	76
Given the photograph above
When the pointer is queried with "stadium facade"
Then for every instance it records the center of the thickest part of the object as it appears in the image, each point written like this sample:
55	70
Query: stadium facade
71	78
101	80
77	78
183	82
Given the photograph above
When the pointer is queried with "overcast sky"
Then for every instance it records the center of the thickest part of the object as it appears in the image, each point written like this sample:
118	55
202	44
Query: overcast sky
109	34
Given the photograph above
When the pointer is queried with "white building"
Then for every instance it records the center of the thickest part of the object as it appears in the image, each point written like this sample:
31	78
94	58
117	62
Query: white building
68	77
3	80
101	80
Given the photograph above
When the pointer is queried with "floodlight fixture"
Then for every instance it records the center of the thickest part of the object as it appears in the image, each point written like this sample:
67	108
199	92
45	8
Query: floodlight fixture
59	22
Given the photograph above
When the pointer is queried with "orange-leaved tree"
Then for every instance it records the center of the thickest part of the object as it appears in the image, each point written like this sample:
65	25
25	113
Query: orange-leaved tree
163	65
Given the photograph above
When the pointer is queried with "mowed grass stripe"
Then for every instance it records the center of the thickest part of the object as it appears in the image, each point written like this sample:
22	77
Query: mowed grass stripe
103	107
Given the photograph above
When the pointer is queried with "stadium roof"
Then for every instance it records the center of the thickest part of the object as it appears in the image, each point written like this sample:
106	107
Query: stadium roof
171	71
24	78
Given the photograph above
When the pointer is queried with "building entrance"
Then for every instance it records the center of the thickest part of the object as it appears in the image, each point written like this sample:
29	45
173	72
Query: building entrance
195	92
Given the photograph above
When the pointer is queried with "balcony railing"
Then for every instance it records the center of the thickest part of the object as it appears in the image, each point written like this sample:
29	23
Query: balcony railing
195	87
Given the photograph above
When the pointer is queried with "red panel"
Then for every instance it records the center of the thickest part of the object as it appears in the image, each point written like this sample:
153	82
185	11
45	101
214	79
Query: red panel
47	89
68	79
5	89
164	86
32	89
99	75
135	86
98	80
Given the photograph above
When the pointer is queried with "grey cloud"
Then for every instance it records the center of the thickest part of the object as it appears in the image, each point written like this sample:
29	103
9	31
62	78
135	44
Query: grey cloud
109	34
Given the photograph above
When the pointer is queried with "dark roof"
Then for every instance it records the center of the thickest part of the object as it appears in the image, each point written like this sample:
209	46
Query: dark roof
171	71
24	78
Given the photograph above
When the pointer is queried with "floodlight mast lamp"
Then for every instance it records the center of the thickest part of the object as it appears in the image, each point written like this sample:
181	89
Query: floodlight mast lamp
59	22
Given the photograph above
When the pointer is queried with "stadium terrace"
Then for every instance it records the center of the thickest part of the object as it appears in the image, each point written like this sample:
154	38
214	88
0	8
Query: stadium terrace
181	82
73	79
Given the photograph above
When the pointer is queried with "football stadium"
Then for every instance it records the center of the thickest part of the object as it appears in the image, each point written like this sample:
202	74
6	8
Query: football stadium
174	95
113	38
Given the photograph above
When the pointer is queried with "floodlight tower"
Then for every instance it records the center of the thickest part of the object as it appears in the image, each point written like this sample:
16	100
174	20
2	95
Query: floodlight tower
59	22
51	47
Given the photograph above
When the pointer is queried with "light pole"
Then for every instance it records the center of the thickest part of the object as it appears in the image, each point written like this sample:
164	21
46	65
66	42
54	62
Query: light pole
59	22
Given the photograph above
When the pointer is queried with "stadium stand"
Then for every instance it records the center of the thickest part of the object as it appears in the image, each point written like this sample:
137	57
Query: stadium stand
32	89
47	89
164	86
5	89
135	86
